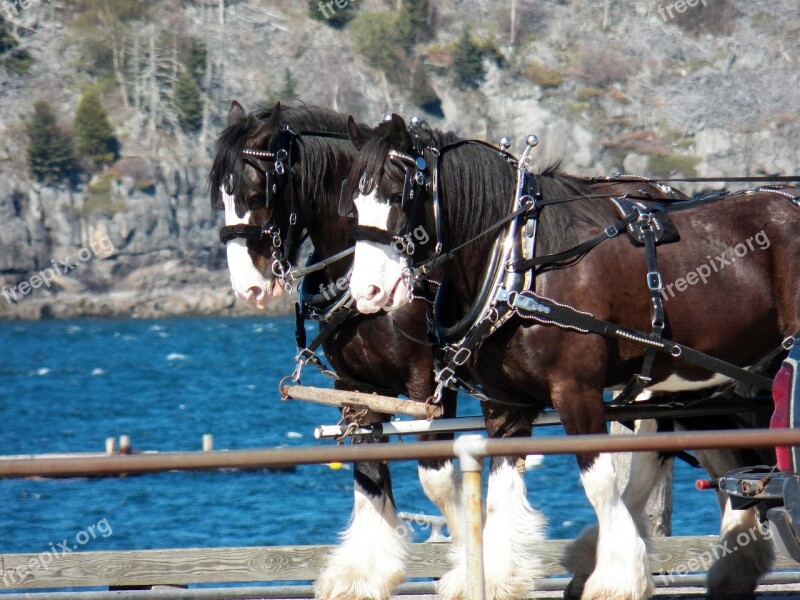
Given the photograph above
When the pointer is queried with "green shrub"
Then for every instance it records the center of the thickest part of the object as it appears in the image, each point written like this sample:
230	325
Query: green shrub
542	75
468	68
666	166
377	37
100	199
12	58
587	93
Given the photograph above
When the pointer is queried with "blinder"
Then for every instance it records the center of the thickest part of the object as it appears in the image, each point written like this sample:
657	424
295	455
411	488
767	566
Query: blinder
402	208
258	160
276	178
347	207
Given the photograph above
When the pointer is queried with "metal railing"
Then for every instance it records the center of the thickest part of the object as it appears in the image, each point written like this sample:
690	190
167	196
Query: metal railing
470	450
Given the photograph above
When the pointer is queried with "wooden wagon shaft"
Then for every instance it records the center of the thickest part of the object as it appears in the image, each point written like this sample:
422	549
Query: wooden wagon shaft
631	412
359	401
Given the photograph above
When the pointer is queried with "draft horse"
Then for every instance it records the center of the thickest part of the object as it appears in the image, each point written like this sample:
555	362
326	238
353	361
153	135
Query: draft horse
738	313
277	175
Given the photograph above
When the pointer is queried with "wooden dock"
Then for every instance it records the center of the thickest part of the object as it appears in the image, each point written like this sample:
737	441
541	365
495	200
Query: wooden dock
169	571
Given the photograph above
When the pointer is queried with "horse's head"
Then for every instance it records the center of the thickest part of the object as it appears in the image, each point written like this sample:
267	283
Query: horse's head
389	183
249	178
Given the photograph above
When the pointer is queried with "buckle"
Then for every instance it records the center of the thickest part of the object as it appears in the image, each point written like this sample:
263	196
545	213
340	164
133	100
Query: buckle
654	281
445	376
612	230
788	343
461	356
306	356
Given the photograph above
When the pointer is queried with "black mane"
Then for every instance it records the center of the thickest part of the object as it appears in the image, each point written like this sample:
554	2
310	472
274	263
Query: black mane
317	158
563	225
228	156
478	187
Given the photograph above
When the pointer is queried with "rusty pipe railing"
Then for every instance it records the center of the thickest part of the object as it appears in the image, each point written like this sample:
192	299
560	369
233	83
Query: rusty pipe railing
283	457
470	450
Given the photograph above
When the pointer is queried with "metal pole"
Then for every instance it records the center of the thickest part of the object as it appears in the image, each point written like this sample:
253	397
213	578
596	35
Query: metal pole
470	450
14	466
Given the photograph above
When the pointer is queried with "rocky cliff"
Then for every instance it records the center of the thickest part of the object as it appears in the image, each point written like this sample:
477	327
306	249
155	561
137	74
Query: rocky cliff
703	87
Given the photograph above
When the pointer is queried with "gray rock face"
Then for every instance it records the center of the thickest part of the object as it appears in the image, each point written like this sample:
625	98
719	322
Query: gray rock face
607	86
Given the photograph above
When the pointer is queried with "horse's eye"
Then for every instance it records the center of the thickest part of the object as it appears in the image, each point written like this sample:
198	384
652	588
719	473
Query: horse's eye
257	201
396	219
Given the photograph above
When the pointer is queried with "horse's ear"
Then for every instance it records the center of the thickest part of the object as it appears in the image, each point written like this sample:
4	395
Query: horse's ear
236	113
397	123
275	116
398	131
276	112
267	128
357	135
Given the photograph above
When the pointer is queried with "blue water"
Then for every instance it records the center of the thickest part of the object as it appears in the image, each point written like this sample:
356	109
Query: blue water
66	386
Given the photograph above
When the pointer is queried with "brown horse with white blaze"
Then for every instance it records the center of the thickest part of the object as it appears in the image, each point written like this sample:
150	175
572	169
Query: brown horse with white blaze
738	312
383	351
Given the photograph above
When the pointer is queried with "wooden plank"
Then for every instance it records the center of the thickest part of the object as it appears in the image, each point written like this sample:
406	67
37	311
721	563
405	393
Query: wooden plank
278	563
358	401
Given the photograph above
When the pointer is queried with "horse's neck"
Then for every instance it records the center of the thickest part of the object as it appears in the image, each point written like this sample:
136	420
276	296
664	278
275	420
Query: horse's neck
327	230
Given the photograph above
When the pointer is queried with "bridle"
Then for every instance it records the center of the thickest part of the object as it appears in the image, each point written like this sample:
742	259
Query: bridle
419	179
279	177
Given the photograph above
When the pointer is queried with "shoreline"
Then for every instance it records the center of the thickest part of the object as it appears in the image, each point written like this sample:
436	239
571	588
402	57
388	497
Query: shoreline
168	302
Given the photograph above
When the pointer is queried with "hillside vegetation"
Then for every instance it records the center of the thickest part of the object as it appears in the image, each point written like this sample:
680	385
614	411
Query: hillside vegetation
109	110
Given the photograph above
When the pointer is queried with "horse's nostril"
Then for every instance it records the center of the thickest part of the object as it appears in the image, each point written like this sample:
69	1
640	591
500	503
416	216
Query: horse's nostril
372	291
255	293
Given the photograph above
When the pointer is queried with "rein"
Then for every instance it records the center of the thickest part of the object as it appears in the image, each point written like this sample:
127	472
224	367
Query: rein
759	178
490	310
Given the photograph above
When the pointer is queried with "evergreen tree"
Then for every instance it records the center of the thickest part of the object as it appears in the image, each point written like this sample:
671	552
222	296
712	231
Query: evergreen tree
289	90
12	58
189	103
412	20
50	155
468	66
196	60
94	135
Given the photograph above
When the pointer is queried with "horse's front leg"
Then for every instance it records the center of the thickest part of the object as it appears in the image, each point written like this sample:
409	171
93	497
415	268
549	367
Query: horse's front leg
622	567
646	468
439	479
513	529
370	560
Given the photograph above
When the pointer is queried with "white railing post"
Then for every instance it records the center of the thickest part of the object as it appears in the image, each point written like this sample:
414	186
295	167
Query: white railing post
470	451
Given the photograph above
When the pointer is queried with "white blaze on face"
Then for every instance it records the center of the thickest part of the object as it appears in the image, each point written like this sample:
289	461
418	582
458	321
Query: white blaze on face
377	280
247	281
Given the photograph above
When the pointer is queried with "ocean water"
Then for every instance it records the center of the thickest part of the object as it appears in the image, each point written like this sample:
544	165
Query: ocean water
65	386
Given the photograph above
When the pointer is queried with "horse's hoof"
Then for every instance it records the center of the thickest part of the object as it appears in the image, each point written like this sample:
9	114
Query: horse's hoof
574	588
